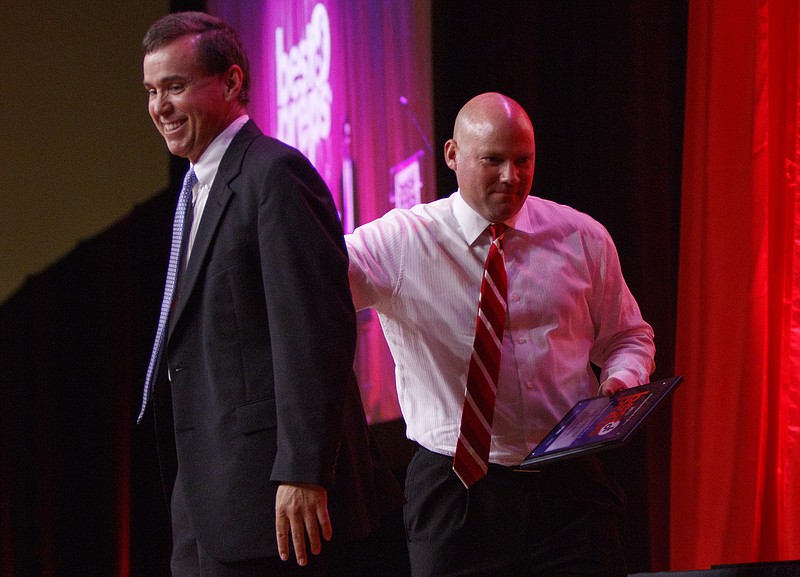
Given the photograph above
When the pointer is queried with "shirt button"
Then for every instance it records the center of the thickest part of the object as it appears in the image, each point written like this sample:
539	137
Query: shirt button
529	385
515	298
522	341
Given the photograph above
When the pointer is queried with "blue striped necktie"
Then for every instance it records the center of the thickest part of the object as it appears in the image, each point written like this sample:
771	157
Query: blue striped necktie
179	227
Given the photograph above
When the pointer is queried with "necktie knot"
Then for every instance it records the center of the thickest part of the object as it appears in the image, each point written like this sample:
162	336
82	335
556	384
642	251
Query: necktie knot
188	184
498	229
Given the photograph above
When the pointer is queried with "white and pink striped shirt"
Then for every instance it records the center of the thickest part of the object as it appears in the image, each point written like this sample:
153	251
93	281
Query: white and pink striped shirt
568	306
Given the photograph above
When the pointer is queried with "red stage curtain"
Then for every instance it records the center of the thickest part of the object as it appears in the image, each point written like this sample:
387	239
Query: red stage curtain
736	437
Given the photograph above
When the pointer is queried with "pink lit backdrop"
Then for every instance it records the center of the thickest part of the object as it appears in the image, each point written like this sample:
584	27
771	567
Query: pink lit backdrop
319	66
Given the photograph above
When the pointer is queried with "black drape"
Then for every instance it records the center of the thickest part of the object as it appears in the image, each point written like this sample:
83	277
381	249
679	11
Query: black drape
79	482
603	82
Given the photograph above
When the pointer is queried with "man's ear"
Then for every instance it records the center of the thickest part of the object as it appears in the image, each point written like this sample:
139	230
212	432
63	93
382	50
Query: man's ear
450	153
233	82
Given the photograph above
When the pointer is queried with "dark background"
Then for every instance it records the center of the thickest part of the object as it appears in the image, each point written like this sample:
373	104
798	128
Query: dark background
603	82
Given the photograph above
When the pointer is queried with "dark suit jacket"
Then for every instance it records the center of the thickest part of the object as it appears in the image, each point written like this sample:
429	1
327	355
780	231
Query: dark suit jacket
260	351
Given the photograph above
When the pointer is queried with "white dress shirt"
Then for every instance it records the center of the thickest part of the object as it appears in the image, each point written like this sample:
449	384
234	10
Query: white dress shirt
206	171
568	305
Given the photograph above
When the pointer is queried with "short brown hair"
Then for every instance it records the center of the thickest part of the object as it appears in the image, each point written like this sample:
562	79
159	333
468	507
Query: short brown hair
218	49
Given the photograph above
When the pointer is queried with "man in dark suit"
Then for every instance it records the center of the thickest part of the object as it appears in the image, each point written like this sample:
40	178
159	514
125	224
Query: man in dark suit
271	443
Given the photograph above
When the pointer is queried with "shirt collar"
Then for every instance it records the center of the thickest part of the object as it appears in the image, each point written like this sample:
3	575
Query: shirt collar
208	163
473	224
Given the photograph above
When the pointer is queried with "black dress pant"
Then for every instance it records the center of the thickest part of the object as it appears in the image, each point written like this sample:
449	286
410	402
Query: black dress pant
381	554
562	521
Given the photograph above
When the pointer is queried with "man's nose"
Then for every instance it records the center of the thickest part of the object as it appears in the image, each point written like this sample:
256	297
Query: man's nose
509	172
160	103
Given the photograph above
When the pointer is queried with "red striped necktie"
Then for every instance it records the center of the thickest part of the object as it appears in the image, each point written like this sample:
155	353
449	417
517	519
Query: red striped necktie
472	451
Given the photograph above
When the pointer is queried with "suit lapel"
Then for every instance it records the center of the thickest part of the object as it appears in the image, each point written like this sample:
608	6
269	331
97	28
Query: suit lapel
218	198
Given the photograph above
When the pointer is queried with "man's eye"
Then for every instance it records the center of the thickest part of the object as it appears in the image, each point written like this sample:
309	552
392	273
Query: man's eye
175	88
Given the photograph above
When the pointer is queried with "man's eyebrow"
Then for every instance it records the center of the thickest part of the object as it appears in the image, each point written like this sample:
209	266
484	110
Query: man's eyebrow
166	80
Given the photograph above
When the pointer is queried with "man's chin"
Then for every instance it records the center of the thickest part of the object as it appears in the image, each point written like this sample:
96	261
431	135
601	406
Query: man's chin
177	149
504	211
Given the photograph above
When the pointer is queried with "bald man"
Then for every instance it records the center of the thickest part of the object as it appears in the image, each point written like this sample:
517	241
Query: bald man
568	308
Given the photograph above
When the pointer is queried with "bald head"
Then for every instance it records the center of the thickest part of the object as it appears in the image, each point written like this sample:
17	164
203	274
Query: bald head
492	153
489	111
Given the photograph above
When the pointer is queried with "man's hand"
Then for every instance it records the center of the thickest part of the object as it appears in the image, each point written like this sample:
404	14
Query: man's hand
610	386
301	509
